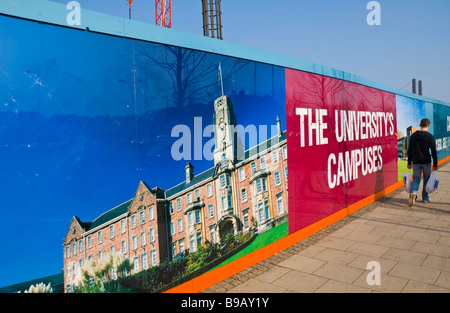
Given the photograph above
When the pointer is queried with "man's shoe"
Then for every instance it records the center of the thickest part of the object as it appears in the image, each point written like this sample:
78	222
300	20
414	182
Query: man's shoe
426	200
412	199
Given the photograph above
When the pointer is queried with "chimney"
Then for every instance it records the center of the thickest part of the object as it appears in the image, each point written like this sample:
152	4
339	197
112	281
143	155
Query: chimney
278	126
420	87
414	85
189	172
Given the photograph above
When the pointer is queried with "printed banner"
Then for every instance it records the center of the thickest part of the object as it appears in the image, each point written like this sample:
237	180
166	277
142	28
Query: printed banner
342	144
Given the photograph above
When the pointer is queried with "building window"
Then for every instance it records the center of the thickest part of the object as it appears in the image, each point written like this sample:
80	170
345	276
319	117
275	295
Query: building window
260	185
134	242
67	252
280	203
245	214
197	195
143	239
74	248
244	194
100	255
199	239
284	152
277	178
260	213
142	217
122	226
197	216
286	173
144	261
275	157
212	234
89	241
178	204
225	180
181	245
133	221
171	208
241	174
74	268
111	231
253	167
172	228
192	243
263	162
189	198
180	225
153	257
191	218
80	246
266	210
224	203
152	235
173	247
136	265
124	247
210	211
209	190
100	237
263	212
224	160
151	213
112	249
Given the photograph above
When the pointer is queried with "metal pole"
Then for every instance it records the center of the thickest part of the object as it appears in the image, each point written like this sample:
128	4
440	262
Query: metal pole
211	17
205	17
414	86
219	19
420	87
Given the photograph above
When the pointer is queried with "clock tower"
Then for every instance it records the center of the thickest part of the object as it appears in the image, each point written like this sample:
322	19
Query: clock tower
225	134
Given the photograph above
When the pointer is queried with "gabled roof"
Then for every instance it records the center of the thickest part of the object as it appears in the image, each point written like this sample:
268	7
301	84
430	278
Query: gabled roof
84	225
195	180
56	282
111	214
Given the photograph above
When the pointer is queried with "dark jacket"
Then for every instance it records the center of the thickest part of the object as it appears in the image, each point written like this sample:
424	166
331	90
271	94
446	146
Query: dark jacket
422	147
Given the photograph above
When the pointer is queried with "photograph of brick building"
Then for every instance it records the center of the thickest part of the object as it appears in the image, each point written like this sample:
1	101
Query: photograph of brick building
244	191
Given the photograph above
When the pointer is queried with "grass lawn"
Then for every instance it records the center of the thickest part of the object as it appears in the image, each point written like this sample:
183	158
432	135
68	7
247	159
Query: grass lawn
260	241
402	164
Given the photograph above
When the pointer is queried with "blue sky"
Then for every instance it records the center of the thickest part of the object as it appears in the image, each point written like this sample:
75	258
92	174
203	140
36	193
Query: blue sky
411	42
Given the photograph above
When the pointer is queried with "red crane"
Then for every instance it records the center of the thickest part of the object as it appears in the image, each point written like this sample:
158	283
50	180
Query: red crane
163	12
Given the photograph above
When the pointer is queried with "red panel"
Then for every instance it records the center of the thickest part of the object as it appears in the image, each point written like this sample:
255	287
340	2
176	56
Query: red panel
329	171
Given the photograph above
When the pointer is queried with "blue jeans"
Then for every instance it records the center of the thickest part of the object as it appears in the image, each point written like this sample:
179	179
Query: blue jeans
417	175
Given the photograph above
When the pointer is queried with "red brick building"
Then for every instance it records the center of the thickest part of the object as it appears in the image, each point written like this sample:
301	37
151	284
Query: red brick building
242	191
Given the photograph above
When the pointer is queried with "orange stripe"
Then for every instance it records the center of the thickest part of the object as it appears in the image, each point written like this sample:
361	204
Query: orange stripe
215	276
443	160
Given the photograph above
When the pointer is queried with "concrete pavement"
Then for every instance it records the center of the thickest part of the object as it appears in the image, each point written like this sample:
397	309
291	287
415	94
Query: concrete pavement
411	246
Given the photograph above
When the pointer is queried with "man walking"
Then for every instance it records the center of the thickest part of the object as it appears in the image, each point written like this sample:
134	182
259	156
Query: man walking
422	148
